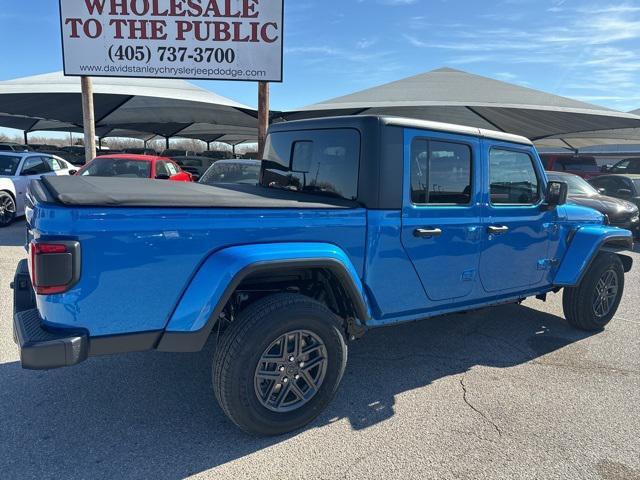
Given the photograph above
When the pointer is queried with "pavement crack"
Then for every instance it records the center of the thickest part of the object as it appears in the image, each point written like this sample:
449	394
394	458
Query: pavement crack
477	410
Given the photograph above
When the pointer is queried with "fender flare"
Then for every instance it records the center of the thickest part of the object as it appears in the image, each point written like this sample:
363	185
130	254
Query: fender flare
211	287
7	185
584	246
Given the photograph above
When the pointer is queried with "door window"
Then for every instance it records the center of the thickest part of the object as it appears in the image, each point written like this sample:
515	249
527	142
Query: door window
513	178
608	184
161	169
54	164
172	169
440	173
35	166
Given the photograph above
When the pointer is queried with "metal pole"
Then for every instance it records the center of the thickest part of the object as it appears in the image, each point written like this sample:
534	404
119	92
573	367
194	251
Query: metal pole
263	116
88	118
26	137
100	143
208	146
167	142
233	150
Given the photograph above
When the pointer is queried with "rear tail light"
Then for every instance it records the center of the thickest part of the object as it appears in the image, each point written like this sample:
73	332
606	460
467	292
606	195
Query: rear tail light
54	266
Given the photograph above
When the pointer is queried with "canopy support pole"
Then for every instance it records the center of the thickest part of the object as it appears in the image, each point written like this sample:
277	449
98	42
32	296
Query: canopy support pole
89	119
166	142
573	149
233	149
263	116
26	137
100	143
208	146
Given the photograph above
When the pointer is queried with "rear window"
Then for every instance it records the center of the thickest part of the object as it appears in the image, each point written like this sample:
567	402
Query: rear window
315	161
578	164
117	167
8	165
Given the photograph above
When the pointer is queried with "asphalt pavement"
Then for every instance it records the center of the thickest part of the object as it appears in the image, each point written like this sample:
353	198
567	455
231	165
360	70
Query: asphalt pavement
508	392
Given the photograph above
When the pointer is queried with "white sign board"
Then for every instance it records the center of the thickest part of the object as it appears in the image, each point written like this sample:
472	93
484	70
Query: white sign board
188	39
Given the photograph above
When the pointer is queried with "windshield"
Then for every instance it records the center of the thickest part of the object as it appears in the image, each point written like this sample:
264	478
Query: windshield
117	167
8	165
577	185
232	173
636	182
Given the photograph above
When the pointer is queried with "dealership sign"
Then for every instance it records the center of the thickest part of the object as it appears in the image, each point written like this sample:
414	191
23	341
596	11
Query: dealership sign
189	39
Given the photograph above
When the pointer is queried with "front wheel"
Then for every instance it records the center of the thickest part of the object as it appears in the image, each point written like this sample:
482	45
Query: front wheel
279	364
594	301
7	209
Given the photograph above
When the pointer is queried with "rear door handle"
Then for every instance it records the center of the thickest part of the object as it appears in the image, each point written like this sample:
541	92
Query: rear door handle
498	230
427	232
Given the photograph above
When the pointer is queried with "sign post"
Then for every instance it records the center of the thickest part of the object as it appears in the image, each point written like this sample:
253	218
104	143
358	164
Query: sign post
88	119
263	116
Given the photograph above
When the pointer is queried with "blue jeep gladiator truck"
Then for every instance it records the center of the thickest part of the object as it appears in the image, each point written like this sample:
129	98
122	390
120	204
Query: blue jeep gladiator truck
357	223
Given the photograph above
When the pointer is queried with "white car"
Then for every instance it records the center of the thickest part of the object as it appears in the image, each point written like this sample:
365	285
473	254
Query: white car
16	171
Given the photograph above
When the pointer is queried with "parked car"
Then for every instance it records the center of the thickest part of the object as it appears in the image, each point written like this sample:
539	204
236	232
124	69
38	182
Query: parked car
620	213
626	187
14	147
232	171
358	223
16	171
196	166
141	151
74	154
178	153
217	155
43	147
135	166
628	165
581	165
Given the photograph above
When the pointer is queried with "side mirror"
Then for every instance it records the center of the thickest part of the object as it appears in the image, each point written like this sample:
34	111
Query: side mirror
72	172
557	193
162	176
625	193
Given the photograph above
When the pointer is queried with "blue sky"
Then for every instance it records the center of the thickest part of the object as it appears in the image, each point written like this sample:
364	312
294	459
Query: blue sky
582	49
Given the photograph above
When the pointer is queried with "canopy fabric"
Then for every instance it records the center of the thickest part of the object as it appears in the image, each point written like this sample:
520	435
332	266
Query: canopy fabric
579	140
162	107
454	96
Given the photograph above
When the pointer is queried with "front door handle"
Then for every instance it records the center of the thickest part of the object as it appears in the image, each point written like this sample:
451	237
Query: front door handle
427	232
498	230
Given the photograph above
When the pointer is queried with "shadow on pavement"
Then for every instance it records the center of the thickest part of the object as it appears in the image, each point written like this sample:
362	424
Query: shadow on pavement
154	415
13	235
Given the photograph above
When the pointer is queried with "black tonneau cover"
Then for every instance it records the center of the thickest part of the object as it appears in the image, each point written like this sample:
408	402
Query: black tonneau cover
136	192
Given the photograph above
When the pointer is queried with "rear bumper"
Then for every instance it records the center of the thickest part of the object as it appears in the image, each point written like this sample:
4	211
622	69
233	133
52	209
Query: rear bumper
41	348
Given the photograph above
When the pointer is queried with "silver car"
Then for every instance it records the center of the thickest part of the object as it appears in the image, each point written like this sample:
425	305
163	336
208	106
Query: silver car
16	171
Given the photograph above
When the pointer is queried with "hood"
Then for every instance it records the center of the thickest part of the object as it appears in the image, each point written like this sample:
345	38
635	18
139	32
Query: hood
612	207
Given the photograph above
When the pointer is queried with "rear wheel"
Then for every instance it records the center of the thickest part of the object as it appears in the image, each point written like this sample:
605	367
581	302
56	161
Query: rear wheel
279	364
594	301
7	209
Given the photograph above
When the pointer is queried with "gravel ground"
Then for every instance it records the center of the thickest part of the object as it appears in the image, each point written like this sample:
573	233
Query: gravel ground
508	392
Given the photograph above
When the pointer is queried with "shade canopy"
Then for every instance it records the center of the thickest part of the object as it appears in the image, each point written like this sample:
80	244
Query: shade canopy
52	102
454	96
579	140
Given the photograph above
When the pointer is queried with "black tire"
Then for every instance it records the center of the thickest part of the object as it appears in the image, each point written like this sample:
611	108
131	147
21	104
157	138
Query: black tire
7	209
241	350
580	303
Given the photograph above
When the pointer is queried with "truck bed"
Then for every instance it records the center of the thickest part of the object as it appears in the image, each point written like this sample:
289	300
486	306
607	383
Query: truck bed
136	192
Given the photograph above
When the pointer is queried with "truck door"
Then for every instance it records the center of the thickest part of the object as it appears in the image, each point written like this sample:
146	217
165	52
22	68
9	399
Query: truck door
517	225
441	221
